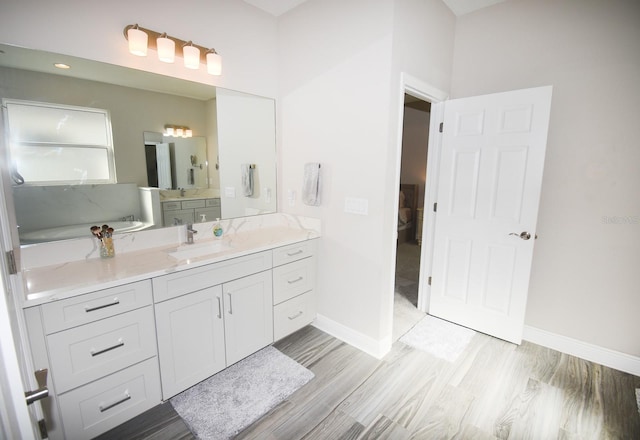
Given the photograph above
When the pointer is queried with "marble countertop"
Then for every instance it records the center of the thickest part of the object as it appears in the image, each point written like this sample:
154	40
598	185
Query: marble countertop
64	280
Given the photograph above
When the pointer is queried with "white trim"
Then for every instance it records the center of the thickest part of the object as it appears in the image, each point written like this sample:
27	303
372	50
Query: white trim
420	89
430	197
600	355
417	88
377	349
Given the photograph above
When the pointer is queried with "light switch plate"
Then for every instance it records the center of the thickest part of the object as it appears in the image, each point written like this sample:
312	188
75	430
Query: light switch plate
229	191
355	205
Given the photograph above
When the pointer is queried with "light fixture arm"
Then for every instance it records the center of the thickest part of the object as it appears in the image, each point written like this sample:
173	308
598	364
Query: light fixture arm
153	35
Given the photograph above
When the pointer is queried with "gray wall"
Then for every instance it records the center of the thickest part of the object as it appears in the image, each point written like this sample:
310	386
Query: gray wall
584	283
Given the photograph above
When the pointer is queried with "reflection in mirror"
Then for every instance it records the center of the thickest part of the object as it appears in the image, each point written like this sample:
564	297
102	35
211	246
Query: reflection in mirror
176	163
138	103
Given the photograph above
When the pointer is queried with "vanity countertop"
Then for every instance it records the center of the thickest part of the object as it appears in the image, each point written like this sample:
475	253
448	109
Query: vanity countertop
51	283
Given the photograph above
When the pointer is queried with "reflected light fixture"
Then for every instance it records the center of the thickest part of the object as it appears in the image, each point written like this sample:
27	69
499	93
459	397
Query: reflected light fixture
169	47
177	131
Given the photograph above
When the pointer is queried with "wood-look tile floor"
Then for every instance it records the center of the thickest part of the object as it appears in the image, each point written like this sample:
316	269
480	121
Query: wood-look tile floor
494	390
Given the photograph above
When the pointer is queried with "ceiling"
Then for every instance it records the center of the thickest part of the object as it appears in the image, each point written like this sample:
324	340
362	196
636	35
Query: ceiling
458	7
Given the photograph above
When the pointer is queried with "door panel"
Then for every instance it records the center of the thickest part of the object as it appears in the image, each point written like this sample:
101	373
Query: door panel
492	159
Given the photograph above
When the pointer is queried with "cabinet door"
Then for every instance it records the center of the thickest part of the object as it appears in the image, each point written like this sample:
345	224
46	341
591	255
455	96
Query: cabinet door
190	333
248	315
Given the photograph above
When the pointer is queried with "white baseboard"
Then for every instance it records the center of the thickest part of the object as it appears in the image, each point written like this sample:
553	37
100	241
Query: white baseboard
604	356
375	348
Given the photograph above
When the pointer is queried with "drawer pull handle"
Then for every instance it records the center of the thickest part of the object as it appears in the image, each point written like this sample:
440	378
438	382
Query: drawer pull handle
219	307
291	254
104	350
126	397
292	317
295	280
115	302
230	308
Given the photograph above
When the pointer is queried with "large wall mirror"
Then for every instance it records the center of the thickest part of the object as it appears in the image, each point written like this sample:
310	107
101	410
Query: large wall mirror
59	125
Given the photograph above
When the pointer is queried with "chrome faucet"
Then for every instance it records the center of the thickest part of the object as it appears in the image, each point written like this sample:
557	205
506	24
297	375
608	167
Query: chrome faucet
190	232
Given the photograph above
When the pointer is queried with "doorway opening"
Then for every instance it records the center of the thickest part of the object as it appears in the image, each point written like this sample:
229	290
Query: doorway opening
413	177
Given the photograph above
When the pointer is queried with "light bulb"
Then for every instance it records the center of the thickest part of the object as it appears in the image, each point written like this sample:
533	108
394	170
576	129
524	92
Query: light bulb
137	41
191	56
166	49
214	63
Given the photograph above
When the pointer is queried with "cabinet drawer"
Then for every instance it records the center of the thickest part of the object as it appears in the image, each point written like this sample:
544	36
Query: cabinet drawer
211	203
293	279
179	283
190	204
86	353
293	252
64	314
171	206
104	404
294	314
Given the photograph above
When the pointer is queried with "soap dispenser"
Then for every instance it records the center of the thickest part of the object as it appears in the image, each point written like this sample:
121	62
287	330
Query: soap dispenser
217	229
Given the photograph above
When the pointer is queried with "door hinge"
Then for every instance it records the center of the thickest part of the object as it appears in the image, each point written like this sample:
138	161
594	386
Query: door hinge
43	429
429	281
435	207
441	127
11	263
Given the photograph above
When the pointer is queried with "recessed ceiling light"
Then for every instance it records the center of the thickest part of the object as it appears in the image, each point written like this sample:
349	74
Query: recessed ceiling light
62	66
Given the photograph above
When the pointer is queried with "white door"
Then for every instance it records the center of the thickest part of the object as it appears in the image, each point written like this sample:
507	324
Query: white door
163	163
491	165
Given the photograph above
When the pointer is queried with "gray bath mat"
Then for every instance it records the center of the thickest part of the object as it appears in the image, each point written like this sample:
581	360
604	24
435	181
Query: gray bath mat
226	403
438	337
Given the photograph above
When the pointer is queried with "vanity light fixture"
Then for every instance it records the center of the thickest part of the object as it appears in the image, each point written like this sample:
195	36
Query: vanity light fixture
166	48
169	47
214	62
176	131
191	56
138	40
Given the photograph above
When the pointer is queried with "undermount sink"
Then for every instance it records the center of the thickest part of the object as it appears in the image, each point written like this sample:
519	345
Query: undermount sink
187	251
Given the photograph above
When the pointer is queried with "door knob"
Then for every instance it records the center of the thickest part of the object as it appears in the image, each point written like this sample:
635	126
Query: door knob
523	235
42	391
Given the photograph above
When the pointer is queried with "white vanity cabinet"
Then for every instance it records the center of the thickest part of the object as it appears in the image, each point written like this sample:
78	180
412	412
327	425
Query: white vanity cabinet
116	352
102	358
294	279
210	317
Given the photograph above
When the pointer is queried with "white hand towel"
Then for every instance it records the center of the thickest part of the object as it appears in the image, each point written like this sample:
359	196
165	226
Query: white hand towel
247	179
311	184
